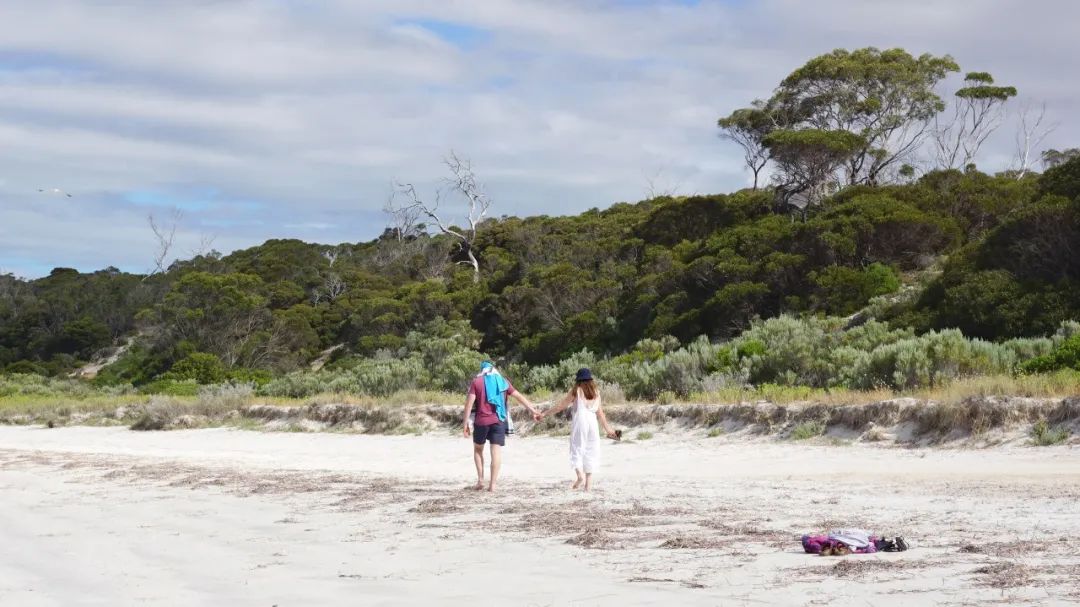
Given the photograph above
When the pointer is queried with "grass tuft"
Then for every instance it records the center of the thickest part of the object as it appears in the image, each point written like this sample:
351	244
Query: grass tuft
807	430
1043	436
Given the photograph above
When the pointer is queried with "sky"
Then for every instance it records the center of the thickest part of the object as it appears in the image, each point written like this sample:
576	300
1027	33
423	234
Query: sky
262	119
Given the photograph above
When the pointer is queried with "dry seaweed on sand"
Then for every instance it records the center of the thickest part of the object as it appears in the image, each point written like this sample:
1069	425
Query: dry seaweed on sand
859	565
1005	574
437	506
592	538
665	580
693	543
1005	549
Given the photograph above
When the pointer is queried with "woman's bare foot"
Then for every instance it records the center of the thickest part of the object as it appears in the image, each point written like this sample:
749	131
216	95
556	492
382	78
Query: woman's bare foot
576	484
479	486
491	488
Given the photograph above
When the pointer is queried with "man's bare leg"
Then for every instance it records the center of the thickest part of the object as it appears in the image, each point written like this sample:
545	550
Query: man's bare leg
496	463
478	459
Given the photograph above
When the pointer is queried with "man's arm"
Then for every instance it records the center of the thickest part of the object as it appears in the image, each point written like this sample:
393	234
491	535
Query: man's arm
521	398
469	400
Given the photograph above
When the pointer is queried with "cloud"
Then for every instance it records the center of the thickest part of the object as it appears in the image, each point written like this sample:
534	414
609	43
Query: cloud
278	118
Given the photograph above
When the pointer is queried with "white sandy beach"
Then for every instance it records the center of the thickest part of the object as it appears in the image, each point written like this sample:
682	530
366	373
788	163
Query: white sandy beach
107	516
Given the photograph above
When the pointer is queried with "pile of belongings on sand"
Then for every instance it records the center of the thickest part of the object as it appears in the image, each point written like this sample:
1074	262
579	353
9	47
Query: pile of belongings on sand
840	542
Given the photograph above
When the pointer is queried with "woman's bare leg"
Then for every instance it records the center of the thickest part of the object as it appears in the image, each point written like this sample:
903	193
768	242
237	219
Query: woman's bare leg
580	478
588	481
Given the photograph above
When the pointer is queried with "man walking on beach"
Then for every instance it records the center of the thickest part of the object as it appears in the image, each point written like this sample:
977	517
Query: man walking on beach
488	391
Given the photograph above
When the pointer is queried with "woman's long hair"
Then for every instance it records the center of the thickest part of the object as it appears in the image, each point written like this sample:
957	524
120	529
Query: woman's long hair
588	389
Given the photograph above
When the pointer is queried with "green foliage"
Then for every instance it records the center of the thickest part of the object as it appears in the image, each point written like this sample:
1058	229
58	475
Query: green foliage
1066	355
644	435
441	356
1062	179
748	127
833	145
672	296
28	384
200	367
1022	279
171	387
875	93
1043	436
843	290
1052	158
807	430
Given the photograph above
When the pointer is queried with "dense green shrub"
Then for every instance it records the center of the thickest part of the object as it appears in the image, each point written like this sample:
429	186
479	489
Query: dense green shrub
1065	356
200	367
843	290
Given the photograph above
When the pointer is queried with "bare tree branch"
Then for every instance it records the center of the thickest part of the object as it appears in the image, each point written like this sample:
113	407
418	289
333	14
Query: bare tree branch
165	235
206	245
1030	134
651	189
463	181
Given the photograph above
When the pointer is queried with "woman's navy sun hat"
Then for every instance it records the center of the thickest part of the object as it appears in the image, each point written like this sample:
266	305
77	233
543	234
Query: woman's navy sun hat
583	374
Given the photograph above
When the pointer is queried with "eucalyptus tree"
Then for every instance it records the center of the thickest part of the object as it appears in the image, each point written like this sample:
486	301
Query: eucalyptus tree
884	97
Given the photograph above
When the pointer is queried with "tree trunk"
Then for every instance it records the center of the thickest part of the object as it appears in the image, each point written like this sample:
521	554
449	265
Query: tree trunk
475	266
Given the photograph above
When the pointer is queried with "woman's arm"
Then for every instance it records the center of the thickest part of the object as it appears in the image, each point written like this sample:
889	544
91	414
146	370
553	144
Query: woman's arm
603	421
562	404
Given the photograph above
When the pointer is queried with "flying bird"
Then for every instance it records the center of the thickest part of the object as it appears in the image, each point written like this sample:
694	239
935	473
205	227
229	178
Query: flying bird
56	191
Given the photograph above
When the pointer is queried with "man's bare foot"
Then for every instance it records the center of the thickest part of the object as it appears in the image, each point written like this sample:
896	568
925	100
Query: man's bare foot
576	484
491	488
479	486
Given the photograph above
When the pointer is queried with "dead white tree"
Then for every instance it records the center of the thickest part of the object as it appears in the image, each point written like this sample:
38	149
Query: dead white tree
463	181
1030	133
978	111
333	286
165	236
205	246
404	221
654	190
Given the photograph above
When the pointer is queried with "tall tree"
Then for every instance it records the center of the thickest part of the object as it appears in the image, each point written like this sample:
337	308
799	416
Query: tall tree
885	97
977	112
747	127
1030	133
808	161
1052	158
462	181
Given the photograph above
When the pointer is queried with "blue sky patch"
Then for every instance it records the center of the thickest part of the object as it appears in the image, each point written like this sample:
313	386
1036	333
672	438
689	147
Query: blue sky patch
458	34
153	198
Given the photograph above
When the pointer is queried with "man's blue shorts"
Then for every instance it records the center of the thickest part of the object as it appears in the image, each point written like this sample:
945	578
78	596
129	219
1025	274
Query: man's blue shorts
495	433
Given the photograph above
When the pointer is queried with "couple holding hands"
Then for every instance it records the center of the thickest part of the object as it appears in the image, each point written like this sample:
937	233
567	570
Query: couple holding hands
488	392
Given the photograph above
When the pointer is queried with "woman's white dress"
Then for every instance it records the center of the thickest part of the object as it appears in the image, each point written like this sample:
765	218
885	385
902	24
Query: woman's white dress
585	434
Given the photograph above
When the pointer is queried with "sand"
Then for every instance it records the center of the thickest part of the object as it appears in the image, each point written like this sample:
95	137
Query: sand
107	516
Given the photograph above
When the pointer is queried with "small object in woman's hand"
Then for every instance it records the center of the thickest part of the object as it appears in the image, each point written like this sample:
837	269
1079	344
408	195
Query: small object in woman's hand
616	435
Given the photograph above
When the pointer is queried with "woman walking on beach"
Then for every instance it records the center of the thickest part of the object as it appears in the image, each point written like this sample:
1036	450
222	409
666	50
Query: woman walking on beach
588	415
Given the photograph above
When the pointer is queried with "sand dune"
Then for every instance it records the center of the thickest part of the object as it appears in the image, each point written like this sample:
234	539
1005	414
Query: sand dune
105	516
